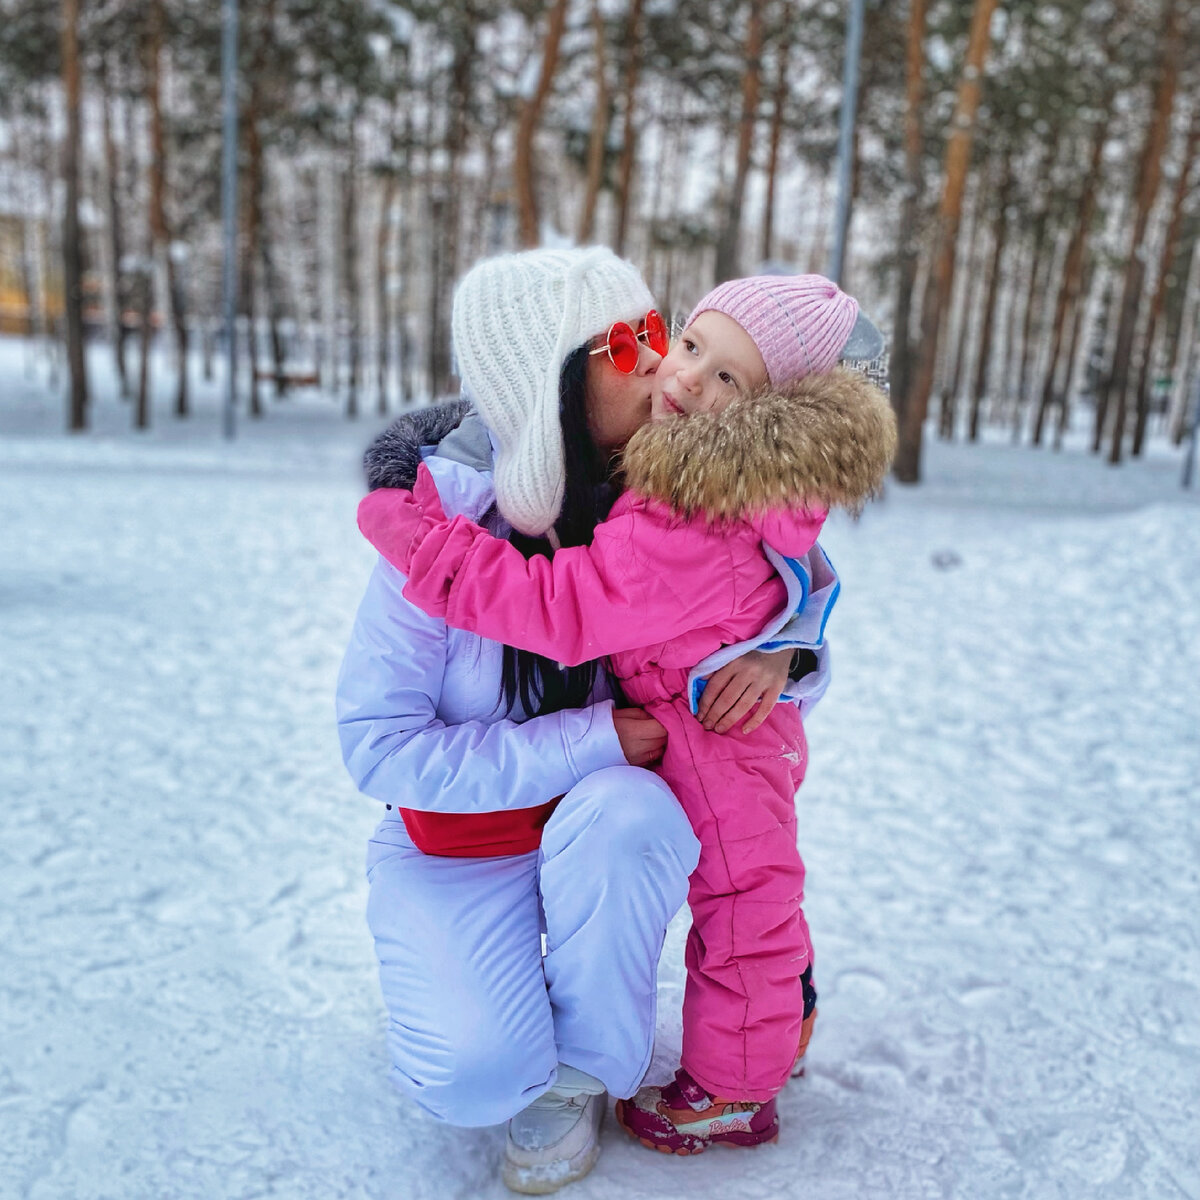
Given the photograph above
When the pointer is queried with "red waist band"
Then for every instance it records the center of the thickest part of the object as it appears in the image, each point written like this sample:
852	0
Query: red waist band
478	835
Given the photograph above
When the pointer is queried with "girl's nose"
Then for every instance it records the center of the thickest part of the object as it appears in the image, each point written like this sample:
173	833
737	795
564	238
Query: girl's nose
688	379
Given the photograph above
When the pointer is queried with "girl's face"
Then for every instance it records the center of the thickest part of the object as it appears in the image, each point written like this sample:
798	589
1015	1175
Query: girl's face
714	360
618	405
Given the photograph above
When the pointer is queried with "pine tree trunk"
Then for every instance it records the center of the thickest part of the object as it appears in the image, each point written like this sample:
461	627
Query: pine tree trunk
141	408
448	228
907	240
1180	342
270	278
249	277
252	258
1038	285
958	154
1006	399
662	230
599	132
116	278
383	321
818	252
1036	288
531	115
72	249
429	212
1064	396
406	367
1178	292
488	234
731	229
629	131
979	387
1100	341
208	340
328	271
1159	299
948	409
778	106
1149	177
405	268
155	35
1069	292
350	257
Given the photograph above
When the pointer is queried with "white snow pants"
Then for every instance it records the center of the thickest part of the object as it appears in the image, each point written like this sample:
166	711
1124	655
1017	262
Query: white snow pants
478	1020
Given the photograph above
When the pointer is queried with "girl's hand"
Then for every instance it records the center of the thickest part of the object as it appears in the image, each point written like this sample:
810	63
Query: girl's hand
753	681
395	521
643	739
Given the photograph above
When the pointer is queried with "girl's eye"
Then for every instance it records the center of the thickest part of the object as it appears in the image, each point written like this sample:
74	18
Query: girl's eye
689	345
725	377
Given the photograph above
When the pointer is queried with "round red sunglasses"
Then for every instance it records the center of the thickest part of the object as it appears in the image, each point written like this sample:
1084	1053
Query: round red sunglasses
622	341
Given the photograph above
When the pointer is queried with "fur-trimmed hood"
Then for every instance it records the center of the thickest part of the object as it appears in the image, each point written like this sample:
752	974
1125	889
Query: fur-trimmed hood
393	457
826	441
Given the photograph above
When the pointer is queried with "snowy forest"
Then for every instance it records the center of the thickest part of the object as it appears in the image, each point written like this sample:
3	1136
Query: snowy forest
1022	219
999	819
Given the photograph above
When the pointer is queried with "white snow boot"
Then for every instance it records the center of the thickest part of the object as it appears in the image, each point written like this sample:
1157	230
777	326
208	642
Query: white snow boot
556	1139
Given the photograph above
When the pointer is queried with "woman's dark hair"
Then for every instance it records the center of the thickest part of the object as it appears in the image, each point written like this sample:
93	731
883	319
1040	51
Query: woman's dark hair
540	684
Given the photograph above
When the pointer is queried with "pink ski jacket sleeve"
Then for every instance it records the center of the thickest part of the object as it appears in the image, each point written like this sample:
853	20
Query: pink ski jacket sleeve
648	576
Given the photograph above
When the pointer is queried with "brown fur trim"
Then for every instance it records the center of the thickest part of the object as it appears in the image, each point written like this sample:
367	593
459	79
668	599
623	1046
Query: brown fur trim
826	440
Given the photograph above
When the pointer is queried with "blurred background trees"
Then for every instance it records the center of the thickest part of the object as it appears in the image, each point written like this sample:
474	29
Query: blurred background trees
1025	201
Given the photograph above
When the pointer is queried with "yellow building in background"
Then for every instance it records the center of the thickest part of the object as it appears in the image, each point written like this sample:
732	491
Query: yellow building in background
17	307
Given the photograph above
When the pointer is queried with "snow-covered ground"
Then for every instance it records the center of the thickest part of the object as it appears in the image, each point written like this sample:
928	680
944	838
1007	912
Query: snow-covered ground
1001	825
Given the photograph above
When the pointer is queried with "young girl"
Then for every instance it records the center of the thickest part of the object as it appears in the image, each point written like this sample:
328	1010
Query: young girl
754	436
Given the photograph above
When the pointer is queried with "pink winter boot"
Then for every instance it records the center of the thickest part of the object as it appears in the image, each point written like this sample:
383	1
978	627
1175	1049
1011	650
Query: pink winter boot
682	1118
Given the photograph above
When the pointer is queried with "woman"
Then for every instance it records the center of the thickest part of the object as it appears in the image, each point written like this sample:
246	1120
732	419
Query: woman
517	796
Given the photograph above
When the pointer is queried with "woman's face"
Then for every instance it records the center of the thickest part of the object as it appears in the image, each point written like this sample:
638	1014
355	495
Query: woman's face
618	405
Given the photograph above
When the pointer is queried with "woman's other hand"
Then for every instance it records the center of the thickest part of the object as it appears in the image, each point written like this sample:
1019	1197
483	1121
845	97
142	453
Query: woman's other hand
753	681
642	738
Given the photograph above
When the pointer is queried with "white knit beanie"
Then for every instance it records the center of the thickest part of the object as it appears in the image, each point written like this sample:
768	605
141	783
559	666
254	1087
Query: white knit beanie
516	318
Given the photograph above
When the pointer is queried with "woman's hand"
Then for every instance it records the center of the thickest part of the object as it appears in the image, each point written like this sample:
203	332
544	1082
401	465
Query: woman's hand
643	739
755	679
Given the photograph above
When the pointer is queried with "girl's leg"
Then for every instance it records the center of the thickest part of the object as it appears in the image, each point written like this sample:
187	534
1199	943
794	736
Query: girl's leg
744	999
458	940
616	855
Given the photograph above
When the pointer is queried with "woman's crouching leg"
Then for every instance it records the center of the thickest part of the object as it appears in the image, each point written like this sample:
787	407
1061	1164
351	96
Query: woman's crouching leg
616	856
470	1033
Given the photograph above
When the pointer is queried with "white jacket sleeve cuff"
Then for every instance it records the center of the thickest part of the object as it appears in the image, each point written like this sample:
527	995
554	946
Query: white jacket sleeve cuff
591	738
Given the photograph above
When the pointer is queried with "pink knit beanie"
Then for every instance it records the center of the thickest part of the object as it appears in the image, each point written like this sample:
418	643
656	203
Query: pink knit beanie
800	323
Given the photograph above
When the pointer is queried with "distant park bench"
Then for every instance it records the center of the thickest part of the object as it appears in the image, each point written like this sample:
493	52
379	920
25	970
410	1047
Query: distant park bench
290	378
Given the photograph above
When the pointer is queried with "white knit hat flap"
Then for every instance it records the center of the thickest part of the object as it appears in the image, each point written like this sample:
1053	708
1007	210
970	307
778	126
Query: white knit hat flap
515	320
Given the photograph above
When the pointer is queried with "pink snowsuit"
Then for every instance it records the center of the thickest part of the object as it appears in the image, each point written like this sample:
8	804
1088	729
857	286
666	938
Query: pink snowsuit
662	585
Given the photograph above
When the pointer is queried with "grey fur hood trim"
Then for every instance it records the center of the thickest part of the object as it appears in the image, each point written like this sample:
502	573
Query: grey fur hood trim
826	440
393	457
